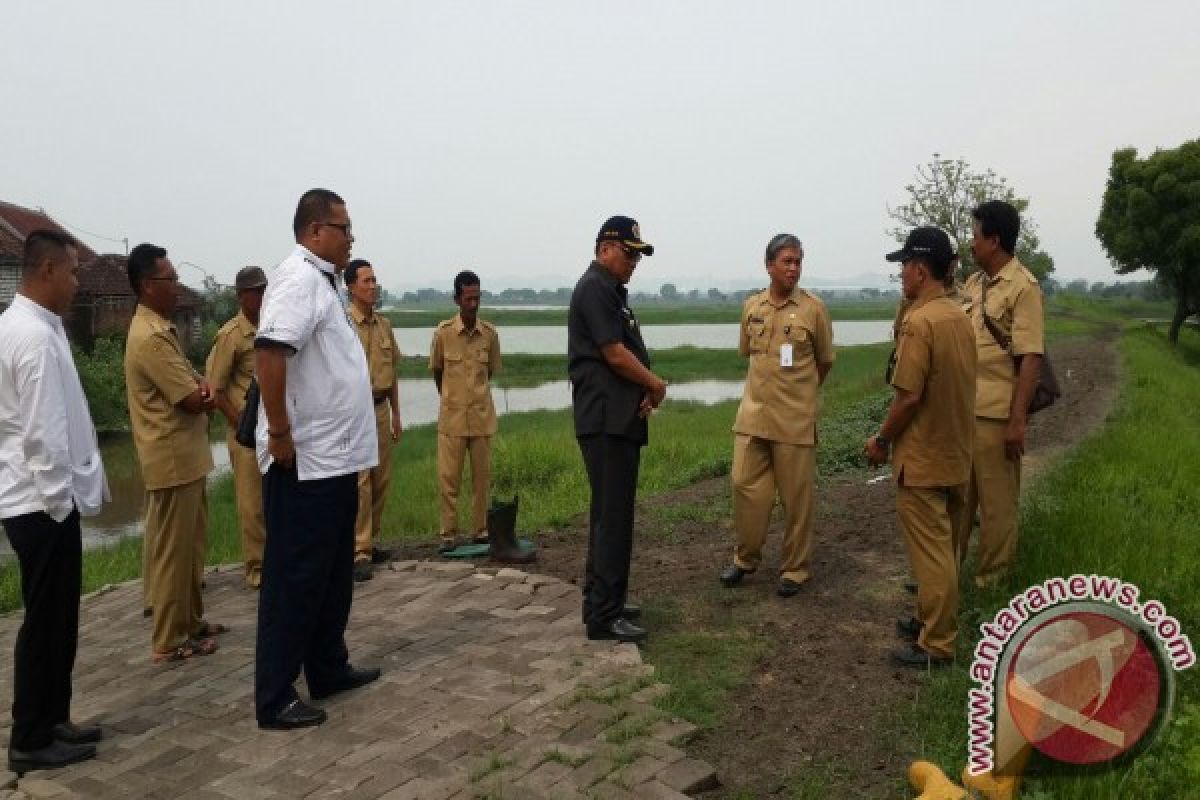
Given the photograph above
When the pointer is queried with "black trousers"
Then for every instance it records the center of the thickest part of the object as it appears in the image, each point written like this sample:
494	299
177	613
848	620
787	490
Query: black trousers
50	555
307	585
612	470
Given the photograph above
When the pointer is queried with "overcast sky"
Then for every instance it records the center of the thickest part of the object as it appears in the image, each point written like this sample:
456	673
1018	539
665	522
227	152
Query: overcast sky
497	136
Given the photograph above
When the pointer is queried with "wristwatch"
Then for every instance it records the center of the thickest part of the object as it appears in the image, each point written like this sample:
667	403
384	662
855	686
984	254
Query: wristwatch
882	442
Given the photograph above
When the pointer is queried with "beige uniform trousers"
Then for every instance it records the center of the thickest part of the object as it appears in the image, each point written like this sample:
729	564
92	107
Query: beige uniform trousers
174	547
451	454
995	489
247	488
928	519
373	487
761	469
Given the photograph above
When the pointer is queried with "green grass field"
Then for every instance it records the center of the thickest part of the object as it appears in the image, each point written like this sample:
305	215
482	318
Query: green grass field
1123	504
535	456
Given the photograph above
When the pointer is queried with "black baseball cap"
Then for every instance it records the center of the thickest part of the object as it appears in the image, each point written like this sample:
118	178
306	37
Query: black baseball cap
930	242
626	231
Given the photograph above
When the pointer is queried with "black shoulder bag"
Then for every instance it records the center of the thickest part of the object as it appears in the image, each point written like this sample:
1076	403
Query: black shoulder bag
1046	390
248	421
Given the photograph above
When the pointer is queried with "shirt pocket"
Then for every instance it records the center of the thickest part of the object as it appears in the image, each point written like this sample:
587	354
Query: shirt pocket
801	340
756	334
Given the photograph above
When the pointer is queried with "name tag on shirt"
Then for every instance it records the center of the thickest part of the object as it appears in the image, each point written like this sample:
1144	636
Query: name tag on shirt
785	354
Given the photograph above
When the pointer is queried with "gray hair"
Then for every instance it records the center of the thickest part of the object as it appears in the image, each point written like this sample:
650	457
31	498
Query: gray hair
782	241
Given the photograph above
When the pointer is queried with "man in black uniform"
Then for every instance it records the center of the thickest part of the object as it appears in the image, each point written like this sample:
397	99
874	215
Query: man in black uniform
613	391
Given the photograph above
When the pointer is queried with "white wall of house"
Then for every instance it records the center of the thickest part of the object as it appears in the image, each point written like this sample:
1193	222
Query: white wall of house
10	276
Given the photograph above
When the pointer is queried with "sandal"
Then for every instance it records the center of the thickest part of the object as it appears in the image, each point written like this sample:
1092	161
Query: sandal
189	648
481	538
209	630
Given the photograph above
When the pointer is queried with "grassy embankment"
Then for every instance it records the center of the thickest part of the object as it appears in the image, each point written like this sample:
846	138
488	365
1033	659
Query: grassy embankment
1123	504
535	455
647	315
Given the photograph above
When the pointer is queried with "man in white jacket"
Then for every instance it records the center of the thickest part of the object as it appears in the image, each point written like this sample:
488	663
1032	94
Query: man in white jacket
50	474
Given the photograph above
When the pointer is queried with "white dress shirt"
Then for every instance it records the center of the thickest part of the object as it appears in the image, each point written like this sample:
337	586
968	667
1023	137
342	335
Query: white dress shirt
328	391
49	456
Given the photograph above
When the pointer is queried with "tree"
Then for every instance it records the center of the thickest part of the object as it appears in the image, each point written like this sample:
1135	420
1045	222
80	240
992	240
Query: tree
944	194
668	291
1150	219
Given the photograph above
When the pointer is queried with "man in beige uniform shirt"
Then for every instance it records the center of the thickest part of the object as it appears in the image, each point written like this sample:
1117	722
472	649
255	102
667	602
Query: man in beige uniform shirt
229	369
788	337
168	410
464	356
1008	293
930	421
379	343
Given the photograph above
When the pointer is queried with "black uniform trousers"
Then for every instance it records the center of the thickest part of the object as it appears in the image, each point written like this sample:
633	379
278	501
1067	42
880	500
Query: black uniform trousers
50	555
307	585
612	470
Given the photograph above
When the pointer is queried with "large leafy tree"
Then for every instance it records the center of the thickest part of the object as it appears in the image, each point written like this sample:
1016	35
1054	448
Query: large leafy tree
943	194
1150	219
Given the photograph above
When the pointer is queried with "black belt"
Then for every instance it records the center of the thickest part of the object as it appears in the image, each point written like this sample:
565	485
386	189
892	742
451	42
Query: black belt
381	396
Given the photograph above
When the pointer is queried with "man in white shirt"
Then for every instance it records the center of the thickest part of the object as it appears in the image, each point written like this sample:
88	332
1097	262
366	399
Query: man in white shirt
50	473
316	432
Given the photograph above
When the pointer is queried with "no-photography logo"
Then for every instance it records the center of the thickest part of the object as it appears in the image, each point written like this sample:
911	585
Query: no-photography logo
1078	669
1085	687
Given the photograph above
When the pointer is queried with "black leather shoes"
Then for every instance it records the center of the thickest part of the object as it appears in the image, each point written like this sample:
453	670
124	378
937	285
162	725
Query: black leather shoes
351	679
787	588
631	612
363	571
908	628
620	630
52	756
732	575
913	657
71	733
296	714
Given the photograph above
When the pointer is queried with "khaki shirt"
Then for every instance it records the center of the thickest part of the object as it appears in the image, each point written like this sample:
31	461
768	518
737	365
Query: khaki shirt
379	343
230	364
1014	303
780	403
172	445
935	358
467	361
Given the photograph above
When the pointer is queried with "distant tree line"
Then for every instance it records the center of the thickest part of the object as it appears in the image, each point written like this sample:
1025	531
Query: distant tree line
668	294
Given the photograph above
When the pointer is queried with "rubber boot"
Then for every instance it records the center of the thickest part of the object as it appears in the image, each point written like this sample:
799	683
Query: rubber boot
932	783
502	535
989	787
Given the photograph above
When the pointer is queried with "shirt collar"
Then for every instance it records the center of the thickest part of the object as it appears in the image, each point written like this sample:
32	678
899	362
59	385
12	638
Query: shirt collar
794	297
358	316
316	260
926	300
246	325
1006	273
38	310
460	328
608	277
155	319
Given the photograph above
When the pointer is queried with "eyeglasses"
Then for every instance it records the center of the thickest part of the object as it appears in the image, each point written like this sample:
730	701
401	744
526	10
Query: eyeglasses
171	278
345	227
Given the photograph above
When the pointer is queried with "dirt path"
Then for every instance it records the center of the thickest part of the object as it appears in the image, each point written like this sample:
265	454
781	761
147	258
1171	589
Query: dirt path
803	706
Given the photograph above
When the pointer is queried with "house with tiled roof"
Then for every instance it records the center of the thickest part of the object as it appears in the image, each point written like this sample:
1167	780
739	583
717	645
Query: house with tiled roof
17	222
104	303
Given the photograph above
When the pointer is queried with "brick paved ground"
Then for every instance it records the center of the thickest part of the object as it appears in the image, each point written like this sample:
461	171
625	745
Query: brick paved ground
489	690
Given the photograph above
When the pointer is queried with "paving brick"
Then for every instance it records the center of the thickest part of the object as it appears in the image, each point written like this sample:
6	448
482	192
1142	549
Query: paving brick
478	666
688	775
